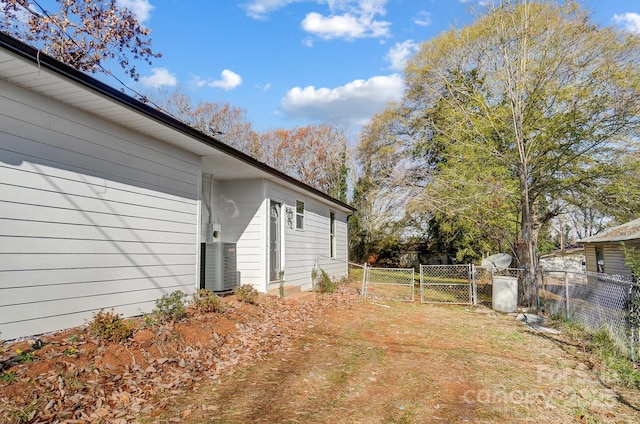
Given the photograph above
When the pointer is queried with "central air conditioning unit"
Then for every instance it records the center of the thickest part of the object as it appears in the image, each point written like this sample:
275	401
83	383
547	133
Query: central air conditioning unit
218	271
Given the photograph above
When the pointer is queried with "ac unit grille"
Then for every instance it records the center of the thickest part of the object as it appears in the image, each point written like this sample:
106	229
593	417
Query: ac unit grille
218	267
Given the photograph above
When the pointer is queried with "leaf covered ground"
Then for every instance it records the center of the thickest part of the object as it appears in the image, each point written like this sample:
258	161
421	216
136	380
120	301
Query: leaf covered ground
338	359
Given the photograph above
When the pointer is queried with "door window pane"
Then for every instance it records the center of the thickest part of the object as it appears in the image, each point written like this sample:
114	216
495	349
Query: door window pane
332	234
299	215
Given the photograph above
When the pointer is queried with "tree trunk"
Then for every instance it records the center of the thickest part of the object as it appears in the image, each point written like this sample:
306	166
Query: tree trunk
526	247
527	256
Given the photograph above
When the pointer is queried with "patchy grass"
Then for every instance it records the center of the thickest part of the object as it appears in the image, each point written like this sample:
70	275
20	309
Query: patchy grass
603	355
339	359
413	363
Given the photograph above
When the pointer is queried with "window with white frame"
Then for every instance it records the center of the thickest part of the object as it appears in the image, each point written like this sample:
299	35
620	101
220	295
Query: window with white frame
299	215
332	234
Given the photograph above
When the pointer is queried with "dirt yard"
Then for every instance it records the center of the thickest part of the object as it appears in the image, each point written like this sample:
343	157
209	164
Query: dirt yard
340	359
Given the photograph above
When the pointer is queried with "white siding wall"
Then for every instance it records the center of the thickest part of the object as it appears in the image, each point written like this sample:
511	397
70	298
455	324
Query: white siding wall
243	215
303	247
91	216
210	204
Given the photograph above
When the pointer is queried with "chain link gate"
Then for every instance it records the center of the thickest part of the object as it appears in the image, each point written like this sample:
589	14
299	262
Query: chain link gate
448	284
388	283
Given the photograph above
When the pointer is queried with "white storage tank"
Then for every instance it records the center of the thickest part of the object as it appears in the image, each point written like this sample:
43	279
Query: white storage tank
504	293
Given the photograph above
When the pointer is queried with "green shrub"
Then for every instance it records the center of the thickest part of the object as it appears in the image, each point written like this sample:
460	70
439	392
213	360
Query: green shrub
8	376
170	307
207	301
148	320
325	284
25	357
621	368
70	351
111	327
247	293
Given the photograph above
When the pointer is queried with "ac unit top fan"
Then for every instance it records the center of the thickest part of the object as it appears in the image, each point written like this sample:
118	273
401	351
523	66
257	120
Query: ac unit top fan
496	263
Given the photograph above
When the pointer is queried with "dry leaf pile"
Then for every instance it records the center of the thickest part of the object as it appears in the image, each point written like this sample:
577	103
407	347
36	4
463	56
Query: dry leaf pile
74	377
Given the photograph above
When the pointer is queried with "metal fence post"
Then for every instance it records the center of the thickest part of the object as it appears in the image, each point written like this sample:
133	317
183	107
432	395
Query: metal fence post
413	284
474	283
566	294
364	279
421	291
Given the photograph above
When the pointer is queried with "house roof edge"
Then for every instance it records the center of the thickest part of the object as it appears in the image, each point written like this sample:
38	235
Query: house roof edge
37	57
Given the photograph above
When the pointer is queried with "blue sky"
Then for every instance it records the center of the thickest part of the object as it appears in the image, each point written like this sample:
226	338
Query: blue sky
296	62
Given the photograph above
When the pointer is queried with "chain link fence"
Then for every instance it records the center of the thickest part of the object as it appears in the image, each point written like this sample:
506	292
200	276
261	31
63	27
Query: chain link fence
451	284
356	272
595	301
389	283
484	286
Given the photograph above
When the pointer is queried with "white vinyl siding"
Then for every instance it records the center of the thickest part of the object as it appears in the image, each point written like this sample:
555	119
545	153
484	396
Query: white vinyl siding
342	241
243	212
92	216
303	248
210	189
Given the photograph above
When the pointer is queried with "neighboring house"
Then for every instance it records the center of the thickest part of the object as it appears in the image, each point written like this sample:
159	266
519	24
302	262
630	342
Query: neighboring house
106	202
604	252
569	259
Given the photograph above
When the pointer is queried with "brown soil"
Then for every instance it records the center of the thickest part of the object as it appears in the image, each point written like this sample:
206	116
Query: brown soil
338	359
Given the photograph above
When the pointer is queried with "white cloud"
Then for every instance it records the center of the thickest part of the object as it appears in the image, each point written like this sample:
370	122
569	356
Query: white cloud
423	18
198	82
345	26
141	8
159	77
630	21
229	80
400	52
349	19
259	9
355	102
263	88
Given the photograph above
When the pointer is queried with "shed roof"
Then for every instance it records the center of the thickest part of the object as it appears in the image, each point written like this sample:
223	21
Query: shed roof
28	67
568	251
624	232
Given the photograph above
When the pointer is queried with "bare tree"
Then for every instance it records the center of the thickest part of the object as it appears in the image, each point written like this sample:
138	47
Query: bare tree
83	34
